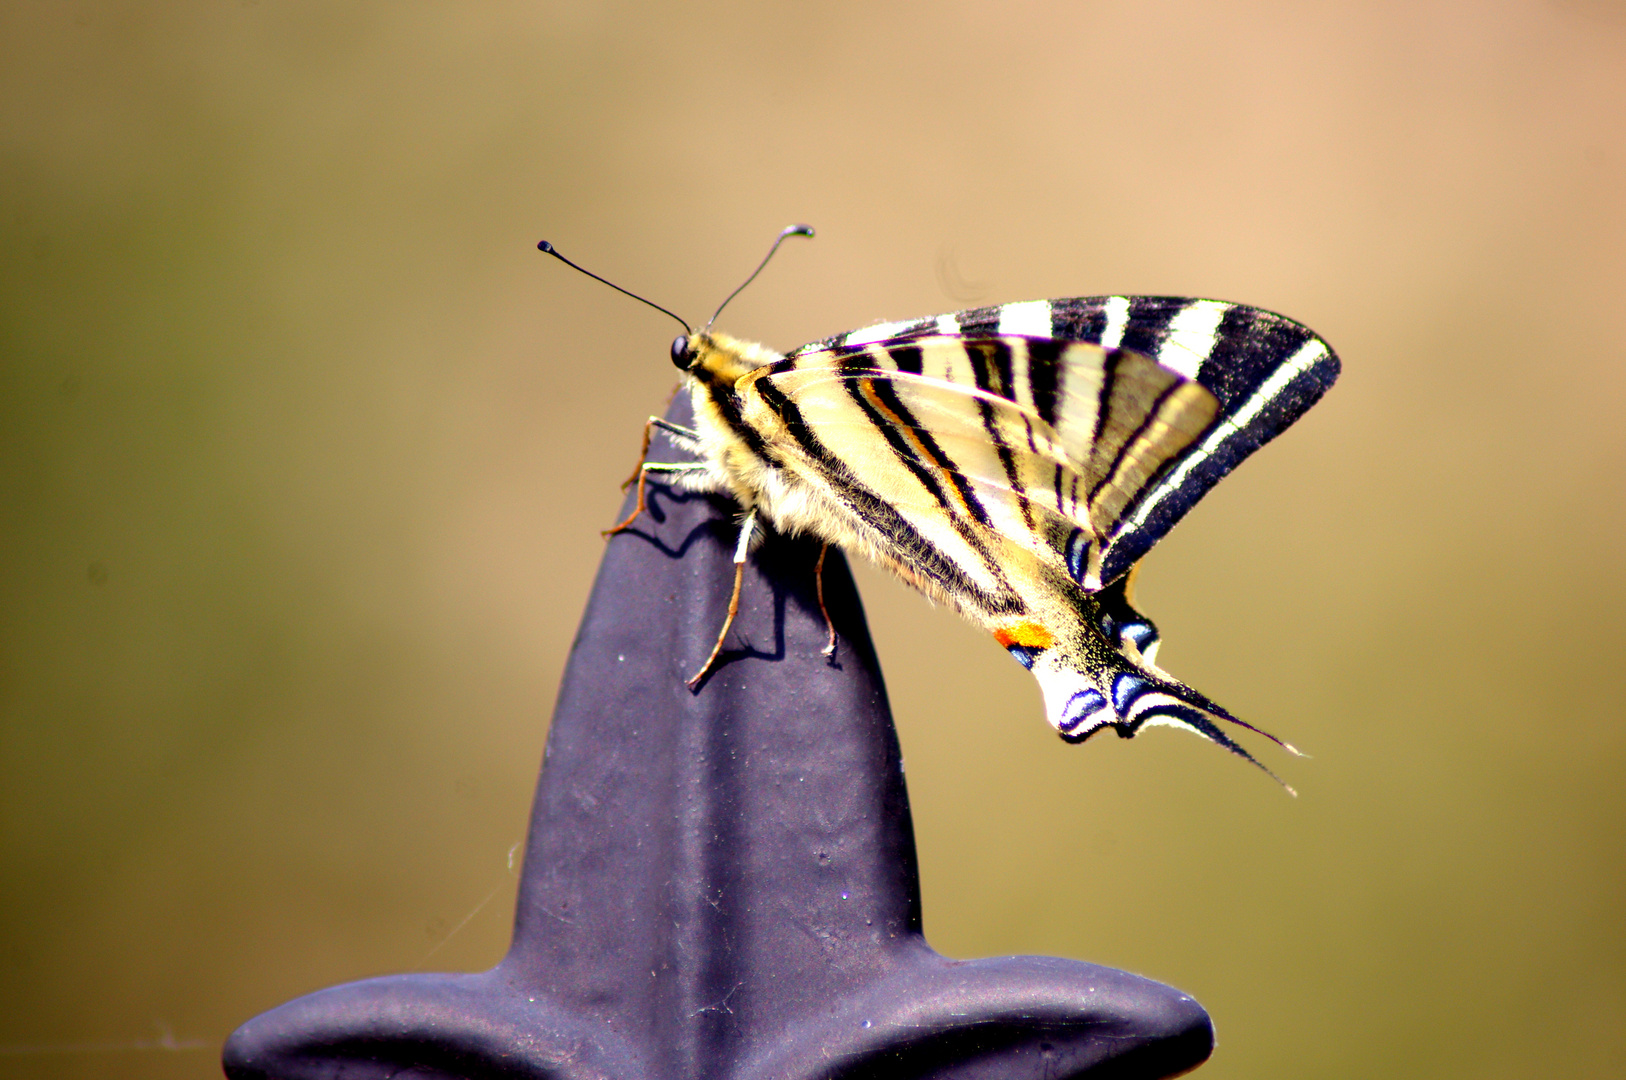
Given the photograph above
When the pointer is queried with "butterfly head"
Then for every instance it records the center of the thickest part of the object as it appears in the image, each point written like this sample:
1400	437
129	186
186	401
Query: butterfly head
717	359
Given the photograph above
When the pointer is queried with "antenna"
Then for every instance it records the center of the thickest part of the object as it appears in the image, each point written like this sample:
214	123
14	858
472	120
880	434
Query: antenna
794	230
544	246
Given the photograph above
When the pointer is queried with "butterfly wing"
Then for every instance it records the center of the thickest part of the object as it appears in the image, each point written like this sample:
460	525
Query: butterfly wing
987	471
1264	370
982	442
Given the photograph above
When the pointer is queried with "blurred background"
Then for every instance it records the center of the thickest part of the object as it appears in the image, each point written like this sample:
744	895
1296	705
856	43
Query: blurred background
304	451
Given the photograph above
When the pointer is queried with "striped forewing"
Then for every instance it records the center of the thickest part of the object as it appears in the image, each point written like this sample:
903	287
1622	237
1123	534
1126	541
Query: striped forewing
978	443
1264	371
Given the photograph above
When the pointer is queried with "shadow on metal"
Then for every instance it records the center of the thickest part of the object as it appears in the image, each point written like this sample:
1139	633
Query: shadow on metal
722	884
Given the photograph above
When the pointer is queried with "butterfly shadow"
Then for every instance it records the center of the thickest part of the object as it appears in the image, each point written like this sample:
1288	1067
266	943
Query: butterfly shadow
781	561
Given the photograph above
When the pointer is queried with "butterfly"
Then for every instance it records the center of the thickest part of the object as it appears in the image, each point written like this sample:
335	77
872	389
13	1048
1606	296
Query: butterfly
1015	462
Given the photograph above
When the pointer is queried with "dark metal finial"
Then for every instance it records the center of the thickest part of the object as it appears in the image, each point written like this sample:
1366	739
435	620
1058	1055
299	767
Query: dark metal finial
723	884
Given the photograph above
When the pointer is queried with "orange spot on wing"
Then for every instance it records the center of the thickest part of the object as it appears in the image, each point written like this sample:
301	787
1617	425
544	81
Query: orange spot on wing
1029	635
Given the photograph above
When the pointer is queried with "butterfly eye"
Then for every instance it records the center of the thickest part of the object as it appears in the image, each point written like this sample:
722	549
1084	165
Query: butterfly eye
680	352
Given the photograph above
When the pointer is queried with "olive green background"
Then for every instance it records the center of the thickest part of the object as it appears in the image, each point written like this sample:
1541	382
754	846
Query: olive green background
304	451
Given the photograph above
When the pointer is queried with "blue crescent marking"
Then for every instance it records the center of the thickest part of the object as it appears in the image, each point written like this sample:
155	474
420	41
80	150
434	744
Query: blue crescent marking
1125	689
1080	707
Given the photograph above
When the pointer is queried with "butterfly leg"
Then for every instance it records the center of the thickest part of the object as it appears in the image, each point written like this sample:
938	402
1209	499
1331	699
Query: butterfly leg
818	586
741	549
643	455
643	471
682	437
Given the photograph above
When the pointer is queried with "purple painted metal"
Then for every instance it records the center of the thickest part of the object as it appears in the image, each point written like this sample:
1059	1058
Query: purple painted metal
722	883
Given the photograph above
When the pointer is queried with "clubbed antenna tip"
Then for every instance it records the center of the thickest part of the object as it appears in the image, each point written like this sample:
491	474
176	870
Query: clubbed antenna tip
793	230
548	249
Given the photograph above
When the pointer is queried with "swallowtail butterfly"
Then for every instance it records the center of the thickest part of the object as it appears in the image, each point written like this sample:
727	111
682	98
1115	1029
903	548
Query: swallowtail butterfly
1015	462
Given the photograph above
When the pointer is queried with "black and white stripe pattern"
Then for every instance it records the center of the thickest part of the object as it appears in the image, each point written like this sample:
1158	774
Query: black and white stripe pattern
1039	442
1264	369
